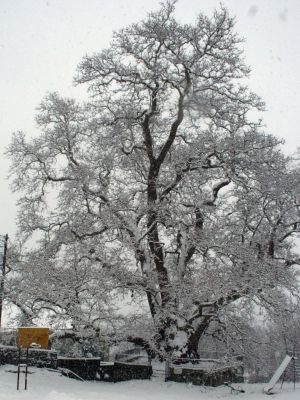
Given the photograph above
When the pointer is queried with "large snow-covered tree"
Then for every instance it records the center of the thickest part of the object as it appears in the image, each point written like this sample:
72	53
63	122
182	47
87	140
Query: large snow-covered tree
164	179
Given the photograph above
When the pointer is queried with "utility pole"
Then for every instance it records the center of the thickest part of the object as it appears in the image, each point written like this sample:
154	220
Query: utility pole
3	276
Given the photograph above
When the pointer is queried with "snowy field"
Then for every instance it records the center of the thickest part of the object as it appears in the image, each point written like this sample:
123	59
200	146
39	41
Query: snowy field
46	385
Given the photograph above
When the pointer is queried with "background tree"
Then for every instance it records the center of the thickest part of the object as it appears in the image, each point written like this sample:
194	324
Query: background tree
164	180
63	289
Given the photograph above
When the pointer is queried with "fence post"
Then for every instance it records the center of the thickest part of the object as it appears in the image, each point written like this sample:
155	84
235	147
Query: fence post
167	369
3	276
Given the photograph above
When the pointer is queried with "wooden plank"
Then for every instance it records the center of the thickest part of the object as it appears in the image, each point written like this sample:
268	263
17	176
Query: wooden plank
277	374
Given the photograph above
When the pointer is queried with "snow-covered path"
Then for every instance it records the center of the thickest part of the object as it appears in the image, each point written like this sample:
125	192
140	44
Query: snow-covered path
45	385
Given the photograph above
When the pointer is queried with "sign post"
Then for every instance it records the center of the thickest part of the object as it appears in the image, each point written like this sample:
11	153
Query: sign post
30	337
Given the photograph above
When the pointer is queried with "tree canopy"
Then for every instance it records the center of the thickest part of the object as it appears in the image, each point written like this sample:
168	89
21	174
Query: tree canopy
162	185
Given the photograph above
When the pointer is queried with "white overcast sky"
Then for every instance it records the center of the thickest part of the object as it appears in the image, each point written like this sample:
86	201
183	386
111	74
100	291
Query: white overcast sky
41	43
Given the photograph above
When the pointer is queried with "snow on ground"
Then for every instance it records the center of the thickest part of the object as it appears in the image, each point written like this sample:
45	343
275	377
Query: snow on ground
46	385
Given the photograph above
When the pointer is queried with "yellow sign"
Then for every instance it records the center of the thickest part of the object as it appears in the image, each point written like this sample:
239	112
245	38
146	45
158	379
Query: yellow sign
33	337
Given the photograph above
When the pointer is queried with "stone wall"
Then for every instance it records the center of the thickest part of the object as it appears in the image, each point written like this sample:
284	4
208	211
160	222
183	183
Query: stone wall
94	369
36	357
85	368
197	376
126	372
